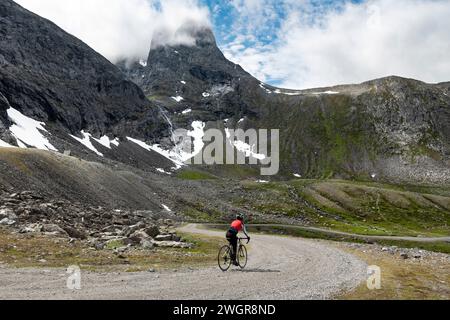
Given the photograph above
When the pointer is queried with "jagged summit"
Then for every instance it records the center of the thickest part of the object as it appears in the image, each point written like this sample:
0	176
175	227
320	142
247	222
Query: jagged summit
189	34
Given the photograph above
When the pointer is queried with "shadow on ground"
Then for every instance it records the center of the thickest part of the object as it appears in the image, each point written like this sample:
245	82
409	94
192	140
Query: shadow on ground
256	270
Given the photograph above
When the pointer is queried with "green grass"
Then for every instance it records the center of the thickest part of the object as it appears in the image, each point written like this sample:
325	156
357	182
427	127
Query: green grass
294	231
195	175
356	207
402	279
35	251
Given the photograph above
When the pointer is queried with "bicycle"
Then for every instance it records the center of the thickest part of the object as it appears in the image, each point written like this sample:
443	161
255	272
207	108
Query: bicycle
224	257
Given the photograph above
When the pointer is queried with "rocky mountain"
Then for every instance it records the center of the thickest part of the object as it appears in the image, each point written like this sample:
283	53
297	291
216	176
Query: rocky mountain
391	128
180	77
56	93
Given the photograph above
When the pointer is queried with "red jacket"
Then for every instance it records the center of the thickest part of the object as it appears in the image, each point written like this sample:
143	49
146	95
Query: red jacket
237	225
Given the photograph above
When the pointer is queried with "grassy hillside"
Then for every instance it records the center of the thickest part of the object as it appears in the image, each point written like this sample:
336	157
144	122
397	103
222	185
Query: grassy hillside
356	207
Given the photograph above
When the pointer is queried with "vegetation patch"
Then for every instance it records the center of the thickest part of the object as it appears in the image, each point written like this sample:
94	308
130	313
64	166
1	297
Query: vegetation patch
36	250
195	175
403	279
354	207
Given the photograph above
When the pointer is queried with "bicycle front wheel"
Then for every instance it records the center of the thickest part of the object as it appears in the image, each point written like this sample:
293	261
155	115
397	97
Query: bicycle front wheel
242	257
224	258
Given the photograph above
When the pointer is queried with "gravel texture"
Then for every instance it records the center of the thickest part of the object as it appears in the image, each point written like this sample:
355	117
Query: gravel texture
278	268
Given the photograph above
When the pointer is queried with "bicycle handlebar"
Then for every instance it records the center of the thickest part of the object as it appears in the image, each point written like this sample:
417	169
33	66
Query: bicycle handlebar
248	239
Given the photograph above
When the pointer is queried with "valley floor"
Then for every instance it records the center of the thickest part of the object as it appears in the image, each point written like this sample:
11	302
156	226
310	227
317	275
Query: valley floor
279	268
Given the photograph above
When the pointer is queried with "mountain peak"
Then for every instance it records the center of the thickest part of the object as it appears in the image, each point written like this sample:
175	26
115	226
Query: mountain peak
189	34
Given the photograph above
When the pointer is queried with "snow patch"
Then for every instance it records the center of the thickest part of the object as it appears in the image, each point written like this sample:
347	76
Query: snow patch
245	148
197	134
325	92
166	208
143	63
291	93
206	94
28	131
107	142
187	111
297	175
183	82
156	148
262	181
373	175
86	141
163	171
176	154
263	87
178	98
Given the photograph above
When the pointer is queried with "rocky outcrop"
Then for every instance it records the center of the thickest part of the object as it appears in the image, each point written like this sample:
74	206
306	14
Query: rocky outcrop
200	74
28	212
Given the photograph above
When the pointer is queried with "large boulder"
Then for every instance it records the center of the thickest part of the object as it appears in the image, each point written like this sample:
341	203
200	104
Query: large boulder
152	231
138	236
75	233
53	229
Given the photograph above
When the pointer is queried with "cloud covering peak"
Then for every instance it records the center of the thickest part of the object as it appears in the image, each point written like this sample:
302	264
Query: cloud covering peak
124	29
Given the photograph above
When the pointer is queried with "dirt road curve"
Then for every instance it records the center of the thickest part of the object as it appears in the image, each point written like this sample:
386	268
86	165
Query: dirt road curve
278	268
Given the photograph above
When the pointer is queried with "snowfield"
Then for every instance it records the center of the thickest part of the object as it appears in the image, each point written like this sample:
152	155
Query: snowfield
86	141
28	132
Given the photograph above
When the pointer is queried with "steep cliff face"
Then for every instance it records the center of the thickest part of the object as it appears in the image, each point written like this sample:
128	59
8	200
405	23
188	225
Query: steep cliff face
53	77
179	77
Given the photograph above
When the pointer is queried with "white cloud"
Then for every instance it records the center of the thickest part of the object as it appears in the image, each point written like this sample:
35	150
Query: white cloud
348	43
291	43
122	29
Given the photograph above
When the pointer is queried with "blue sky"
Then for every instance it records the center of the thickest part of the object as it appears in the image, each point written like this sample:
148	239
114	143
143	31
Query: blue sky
225	14
289	43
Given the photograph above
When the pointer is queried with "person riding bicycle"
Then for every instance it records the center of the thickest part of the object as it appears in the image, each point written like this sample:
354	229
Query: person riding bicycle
232	235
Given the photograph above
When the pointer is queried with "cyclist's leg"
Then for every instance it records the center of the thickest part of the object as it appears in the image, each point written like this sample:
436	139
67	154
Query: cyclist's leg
234	241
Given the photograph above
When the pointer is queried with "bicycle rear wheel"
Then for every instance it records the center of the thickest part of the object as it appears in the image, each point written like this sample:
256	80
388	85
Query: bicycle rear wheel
242	257
224	258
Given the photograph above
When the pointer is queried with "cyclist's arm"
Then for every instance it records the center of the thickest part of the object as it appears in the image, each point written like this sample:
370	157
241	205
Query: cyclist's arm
244	229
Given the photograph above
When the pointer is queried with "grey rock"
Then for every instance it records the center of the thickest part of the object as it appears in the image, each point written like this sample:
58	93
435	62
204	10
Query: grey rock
7	213
53	228
147	244
75	233
164	237
152	231
7	222
138	236
172	244
404	255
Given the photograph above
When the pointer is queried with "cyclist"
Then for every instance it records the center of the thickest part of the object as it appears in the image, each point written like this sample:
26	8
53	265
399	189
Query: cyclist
232	235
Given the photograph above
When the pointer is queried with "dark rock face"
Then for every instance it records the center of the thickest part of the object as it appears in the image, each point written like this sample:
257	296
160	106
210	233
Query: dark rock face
52	76
200	74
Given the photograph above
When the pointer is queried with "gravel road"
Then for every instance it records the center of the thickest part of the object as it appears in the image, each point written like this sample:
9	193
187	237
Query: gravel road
278	268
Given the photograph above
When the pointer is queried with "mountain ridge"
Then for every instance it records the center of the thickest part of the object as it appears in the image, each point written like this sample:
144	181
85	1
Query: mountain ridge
376	128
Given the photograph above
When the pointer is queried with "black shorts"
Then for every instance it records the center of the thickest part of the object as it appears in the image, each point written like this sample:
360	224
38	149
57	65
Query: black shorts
231	233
